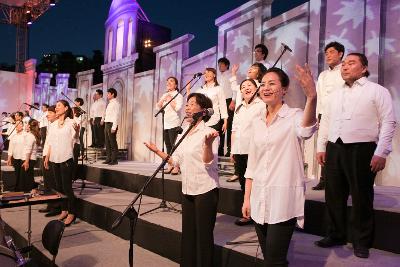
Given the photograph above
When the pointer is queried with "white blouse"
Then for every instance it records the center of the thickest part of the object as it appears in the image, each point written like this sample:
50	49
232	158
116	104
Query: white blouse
171	117
197	177
16	149
30	146
275	165
61	141
241	126
217	96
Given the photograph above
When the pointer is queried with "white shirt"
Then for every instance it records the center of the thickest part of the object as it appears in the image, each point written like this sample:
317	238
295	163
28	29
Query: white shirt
43	122
361	113
197	177
223	80
171	116
30	146
26	120
46	143
16	149
217	96
36	114
11	129
112	113
328	81
61	141
236	88
98	108
265	63
275	164
5	123
241	126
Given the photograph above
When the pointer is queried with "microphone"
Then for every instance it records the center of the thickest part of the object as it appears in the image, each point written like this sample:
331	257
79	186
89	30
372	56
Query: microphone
204	112
199	74
286	47
31	106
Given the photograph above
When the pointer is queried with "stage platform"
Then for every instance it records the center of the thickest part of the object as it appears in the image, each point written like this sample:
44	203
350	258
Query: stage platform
160	231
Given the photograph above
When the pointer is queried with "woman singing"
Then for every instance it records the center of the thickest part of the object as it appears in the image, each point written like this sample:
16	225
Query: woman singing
60	153
274	194
16	153
197	156
244	116
171	117
215	92
32	141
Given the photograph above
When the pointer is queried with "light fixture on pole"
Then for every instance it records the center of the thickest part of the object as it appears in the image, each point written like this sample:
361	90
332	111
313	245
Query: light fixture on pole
52	2
28	17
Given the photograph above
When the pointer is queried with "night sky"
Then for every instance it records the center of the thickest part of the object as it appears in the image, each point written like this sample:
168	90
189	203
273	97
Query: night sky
78	25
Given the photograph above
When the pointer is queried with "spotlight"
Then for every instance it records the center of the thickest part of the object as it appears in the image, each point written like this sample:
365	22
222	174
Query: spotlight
52	2
147	43
28	17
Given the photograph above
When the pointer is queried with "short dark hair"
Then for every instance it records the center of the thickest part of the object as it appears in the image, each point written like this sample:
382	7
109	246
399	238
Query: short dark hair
225	61
112	91
263	48
52	108
99	91
203	101
337	46
4	113
175	80
80	101
261	70
363	60
36	104
283	77
19	113
45	105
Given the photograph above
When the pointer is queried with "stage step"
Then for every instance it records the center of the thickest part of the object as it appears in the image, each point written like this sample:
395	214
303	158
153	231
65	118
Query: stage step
131	176
82	244
160	232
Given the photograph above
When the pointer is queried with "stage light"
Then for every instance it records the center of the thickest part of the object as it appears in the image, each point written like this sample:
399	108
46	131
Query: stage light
52	2
28	17
147	43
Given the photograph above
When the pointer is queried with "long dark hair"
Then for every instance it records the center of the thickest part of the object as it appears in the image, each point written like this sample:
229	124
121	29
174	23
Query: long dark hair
68	113
34	129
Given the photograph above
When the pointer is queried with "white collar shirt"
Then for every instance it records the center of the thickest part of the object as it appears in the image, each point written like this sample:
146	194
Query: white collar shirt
265	63
275	164
112	113
171	116
46	143
223	80
61	141
197	177
16	148
217	96
43	122
360	113
328	81
98	108
30	146
241	126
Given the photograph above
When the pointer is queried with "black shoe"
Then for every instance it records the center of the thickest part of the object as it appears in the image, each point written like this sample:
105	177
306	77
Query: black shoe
44	210
113	163
92	146
361	252
243	221
320	185
69	224
228	154
53	213
106	162
328	242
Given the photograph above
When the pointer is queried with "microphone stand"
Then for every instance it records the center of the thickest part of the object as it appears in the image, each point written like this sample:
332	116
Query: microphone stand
83	183
163	204
130	211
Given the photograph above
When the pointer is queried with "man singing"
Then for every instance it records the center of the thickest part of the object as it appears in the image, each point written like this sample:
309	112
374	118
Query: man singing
111	127
354	140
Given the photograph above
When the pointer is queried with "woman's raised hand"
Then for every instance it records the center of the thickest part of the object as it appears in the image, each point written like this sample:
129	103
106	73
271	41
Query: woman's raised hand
306	80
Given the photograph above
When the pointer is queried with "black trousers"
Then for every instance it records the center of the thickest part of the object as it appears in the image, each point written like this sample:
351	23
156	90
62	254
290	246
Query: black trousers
323	172
170	138
76	151
5	141
198	220
228	131
274	241
63	177
43	135
348	171
50	184
17	164
28	177
111	143
240	168
82	144
98	132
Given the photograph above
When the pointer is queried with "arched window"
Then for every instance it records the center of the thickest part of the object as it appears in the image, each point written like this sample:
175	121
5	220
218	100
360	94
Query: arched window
130	29
120	40
110	46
